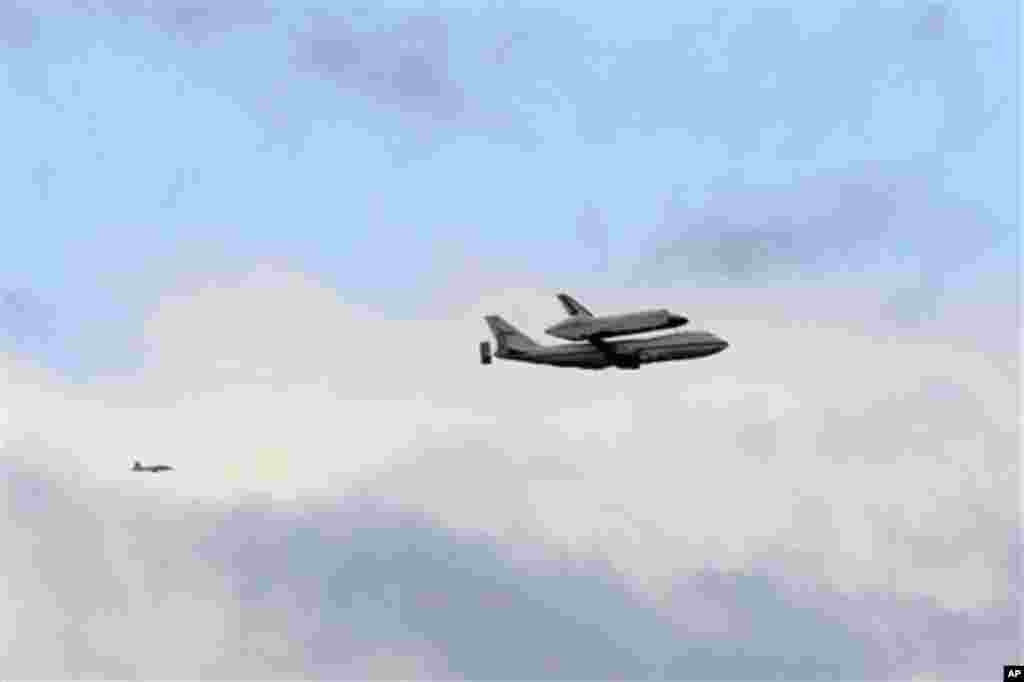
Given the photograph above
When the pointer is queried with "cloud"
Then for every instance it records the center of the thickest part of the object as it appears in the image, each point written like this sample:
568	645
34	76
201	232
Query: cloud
192	20
269	382
435	69
396	573
878	219
409	62
932	24
104	577
406	66
19	25
24	315
907	97
42	176
439	71
107	582
880	468
87	568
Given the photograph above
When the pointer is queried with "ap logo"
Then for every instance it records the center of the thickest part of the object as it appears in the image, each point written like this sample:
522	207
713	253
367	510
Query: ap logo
1013	672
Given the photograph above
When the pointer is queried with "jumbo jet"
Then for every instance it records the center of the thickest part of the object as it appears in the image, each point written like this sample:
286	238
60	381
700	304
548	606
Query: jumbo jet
598	352
154	469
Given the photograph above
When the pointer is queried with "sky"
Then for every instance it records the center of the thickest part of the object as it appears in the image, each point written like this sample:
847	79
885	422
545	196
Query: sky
256	241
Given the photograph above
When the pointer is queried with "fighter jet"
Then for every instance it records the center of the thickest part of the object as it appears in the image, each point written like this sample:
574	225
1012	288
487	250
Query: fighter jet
597	352
583	325
153	469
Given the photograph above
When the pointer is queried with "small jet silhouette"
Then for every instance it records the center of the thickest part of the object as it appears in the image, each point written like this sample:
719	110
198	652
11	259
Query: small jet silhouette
155	469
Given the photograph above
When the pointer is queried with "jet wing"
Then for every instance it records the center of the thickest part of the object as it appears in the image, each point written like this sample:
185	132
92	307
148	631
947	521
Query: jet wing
608	350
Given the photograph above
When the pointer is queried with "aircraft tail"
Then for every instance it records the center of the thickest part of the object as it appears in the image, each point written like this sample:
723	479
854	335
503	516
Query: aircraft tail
507	336
573	307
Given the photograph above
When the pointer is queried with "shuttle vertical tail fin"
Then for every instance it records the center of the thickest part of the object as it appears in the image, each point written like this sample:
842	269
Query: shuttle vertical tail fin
573	307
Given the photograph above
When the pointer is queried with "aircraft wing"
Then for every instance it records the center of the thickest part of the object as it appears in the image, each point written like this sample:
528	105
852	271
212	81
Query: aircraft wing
608	350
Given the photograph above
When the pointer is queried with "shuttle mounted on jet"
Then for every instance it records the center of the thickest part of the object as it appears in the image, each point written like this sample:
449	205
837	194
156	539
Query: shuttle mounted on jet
597	352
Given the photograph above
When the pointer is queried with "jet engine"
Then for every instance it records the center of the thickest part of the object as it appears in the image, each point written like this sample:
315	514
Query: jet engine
485	353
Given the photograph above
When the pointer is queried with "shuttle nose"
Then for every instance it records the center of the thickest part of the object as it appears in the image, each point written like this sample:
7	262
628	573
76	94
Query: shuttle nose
722	344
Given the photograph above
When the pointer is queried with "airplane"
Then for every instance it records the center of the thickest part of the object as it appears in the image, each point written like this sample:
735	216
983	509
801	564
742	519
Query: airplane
154	469
598	352
583	325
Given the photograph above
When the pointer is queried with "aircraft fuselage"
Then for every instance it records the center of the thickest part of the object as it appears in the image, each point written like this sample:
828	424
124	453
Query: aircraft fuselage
627	354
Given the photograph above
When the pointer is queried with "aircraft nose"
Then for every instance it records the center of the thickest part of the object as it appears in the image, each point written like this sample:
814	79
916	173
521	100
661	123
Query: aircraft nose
722	344
677	320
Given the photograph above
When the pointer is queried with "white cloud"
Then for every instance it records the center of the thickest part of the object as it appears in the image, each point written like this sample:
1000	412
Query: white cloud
814	439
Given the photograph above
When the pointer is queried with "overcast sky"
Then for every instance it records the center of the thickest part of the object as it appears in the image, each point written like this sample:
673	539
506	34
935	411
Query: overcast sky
256	241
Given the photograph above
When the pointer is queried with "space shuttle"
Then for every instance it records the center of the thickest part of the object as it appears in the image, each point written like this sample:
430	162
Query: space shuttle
582	325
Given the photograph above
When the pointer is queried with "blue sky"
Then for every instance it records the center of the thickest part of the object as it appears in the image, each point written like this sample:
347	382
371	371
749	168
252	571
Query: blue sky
198	198
123	139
